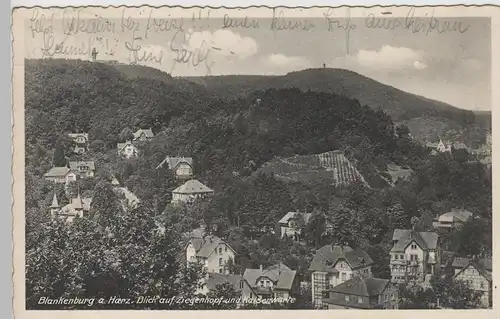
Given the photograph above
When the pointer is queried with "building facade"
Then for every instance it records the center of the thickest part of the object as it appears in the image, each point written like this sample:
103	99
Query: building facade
213	252
477	274
414	255
276	281
127	149
143	135
190	191
80	142
60	175
83	169
181	166
333	265
292	223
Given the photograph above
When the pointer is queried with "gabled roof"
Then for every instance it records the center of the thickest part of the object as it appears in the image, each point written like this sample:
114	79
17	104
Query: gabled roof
327	256
205	246
483	266
290	215
121	146
455	215
215	279
282	276
426	240
192	186
147	132
57	172
77	204
172	162
74	165
365	287
55	203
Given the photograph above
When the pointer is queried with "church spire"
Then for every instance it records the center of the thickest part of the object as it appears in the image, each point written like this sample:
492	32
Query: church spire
55	203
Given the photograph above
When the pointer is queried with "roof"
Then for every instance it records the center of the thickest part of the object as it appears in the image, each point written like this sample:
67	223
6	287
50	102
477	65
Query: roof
55	203
74	165
147	132
57	172
282	276
460	262
205	246
327	256
455	215
75	135
121	146
77	204
192	186
366	287
426	240
290	215
483	266
215	279
172	162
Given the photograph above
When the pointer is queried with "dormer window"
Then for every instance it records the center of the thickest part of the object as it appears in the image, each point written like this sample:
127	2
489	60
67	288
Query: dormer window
413	246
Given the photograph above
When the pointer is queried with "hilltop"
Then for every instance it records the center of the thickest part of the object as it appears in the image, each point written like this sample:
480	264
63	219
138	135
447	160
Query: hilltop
419	113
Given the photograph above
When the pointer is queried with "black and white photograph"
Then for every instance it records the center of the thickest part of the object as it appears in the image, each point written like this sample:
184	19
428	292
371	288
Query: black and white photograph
256	158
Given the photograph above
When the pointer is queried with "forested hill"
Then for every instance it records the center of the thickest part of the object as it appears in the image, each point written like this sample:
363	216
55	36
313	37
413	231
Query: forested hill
426	118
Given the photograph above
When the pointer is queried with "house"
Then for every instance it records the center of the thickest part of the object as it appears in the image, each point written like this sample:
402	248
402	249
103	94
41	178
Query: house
83	169
362	293
213	252
80	142
442	147
128	198
272	282
452	219
335	264
239	284
476	273
182	166
127	149
77	207
414	255
143	135
190	191
291	224
60	175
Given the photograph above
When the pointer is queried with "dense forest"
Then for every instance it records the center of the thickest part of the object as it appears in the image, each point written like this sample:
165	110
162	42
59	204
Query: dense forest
229	140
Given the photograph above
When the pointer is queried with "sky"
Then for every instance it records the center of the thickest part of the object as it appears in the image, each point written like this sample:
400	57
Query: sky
450	66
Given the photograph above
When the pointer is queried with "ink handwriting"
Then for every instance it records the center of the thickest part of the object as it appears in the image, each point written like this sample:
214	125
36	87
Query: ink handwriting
191	56
280	23
346	26
239	23
427	25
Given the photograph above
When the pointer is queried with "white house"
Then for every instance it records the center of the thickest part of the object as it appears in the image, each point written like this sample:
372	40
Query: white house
333	265
275	281
414	255
77	207
213	252
442	147
452	219
80	142
127	149
60	175
182	166
190	191
143	135
292	223
83	168
476	273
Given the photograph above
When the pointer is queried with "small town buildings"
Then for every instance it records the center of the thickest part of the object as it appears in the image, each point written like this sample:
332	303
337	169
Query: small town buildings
414	255
181	166
333	265
237	281
213	252
276	281
190	191
83	168
476	273
60	175
76	208
292	223
452	219
362	293
439	147
80	142
143	135
127	149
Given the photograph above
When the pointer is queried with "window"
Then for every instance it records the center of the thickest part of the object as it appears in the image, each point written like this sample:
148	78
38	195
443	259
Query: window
261	283
386	297
396	256
241	284
220	270
413	246
343	276
482	285
220	261
346	298
393	297
220	250
360	300
225	249
402	257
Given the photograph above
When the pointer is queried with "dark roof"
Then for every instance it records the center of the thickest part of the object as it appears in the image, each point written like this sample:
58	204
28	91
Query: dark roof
57	172
366	287
282	276
215	279
327	256
483	265
404	237
172	162
192	186
205	246
290	215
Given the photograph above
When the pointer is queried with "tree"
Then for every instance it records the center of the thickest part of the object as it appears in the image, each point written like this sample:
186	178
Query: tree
59	159
228	293
455	294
